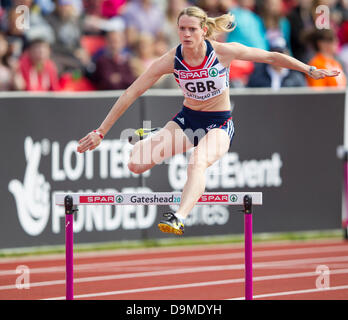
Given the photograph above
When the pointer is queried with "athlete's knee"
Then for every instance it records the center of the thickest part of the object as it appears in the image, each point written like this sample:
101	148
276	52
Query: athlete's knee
198	160
197	165
139	167
136	168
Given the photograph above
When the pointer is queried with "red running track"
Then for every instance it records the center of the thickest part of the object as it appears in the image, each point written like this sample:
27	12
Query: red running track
283	270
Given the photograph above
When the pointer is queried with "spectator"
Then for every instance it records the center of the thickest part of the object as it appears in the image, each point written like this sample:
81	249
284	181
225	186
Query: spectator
38	70
275	24
16	36
46	6
144	16
112	8
92	7
248	31
289	5
170	25
249	26
39	27
301	22
97	25
6	4
343	29
145	54
98	12
10	79
213	8
240	71
216	8
113	71
67	51
20	32
325	44
343	8
269	76
161	47
343	52
226	5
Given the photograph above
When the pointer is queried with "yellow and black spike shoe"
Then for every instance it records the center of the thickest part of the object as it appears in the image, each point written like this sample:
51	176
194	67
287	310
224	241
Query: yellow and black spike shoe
141	134
172	224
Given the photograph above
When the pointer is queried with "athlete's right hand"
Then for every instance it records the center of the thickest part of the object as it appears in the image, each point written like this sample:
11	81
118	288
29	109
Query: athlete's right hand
89	142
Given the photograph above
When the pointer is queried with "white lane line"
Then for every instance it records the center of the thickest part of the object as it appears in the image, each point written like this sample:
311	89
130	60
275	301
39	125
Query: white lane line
287	293
122	252
194	248
103	266
128	276
169	272
88	267
201	284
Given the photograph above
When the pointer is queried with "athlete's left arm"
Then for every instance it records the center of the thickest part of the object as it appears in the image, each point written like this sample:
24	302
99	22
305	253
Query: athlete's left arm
233	50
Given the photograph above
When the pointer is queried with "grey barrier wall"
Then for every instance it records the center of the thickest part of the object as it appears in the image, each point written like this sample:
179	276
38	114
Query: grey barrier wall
284	146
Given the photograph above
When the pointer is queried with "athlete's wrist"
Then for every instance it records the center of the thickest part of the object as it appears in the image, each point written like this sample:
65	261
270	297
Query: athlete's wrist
101	131
101	135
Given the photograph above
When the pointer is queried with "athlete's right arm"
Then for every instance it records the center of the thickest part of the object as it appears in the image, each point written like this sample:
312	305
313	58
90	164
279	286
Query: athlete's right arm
161	66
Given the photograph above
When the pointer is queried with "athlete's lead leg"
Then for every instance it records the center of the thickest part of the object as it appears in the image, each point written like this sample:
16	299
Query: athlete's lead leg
210	149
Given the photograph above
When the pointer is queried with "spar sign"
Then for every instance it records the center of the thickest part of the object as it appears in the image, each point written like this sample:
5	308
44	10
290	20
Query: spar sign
214	198
97	199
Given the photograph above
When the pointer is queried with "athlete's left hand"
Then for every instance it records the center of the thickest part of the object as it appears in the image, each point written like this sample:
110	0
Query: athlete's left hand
89	142
322	73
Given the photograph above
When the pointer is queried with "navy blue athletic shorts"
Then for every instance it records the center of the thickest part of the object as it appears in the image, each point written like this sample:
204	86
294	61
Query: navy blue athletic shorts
196	124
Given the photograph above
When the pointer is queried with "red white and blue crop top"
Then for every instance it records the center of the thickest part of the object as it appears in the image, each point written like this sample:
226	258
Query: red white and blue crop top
203	82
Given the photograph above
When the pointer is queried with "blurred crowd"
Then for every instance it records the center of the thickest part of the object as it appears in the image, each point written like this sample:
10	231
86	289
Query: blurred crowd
82	45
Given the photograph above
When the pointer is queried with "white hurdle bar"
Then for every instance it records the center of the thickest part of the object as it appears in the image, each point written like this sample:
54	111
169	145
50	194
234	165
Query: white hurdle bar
71	200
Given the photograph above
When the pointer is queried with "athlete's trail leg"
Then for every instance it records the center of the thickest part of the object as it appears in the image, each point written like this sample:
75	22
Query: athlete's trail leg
167	142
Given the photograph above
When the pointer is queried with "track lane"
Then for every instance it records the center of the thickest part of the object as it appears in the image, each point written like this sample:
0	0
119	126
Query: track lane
134	271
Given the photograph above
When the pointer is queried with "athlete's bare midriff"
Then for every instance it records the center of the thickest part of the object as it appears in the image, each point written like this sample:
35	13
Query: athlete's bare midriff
218	103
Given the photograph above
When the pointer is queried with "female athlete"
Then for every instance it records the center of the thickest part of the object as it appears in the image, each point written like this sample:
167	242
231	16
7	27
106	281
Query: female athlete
201	67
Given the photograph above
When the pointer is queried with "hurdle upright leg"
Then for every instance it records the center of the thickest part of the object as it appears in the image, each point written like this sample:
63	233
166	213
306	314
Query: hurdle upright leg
345	217
342	153
69	246
248	249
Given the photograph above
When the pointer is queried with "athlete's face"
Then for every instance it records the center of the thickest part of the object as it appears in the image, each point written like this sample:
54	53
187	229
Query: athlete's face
190	31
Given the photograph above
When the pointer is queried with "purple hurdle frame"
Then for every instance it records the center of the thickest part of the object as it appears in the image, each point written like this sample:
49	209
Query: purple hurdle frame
248	247
69	256
69	246
70	208
345	219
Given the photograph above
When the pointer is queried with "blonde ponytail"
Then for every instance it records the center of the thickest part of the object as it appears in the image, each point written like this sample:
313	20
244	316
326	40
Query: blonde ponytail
223	23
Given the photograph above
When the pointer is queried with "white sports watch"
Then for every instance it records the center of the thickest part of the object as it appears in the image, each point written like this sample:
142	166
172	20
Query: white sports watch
311	69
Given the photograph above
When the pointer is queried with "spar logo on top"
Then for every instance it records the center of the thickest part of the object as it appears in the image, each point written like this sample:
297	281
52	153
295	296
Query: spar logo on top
34	192
100	199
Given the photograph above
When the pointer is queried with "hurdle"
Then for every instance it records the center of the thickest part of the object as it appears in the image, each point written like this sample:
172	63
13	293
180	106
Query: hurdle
71	201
